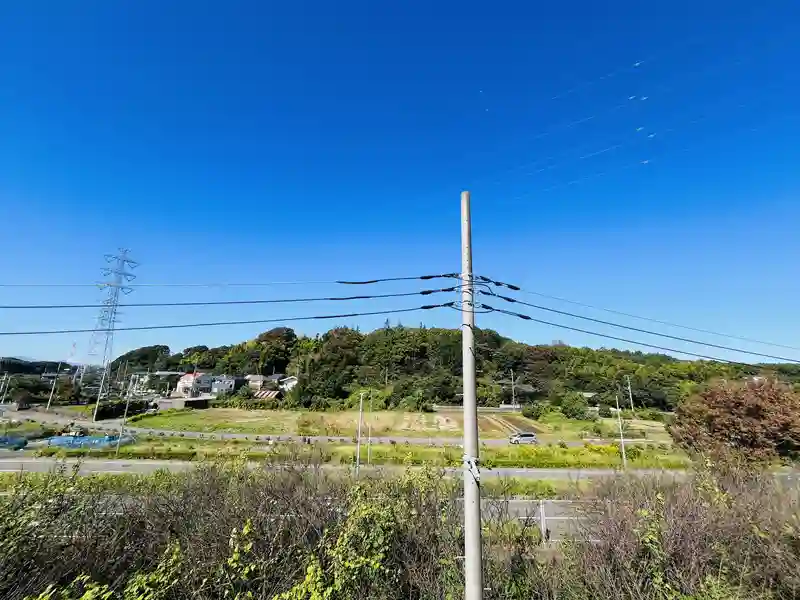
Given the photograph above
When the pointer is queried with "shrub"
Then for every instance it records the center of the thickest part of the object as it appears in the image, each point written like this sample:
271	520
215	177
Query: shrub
604	411
758	419
574	406
534	411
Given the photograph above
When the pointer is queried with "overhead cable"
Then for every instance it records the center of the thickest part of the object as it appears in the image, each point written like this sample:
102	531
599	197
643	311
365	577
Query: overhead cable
234	302
219	323
633	316
239	284
646	331
613	337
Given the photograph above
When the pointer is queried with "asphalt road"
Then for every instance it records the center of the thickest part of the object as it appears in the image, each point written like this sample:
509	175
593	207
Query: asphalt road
16	463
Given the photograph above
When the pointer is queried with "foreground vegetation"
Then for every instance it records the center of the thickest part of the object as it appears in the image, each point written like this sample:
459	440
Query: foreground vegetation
224	531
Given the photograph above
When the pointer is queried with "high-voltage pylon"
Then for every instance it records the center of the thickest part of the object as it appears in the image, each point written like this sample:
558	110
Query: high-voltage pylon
116	284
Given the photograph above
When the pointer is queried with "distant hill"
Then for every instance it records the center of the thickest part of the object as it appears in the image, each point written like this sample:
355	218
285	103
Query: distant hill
26	366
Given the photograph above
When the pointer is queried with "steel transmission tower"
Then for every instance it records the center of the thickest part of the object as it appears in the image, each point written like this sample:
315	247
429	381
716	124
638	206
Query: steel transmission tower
116	284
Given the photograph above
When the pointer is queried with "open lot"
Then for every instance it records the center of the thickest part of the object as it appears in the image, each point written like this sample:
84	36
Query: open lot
445	424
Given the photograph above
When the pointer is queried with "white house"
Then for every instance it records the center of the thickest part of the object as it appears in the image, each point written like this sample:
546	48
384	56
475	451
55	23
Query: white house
226	383
287	383
192	384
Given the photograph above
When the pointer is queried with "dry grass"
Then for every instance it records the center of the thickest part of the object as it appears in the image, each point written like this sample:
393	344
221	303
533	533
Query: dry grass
728	535
445	424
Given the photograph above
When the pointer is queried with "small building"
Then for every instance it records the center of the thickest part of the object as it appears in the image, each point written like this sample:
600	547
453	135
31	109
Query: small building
256	382
287	383
193	384
226	383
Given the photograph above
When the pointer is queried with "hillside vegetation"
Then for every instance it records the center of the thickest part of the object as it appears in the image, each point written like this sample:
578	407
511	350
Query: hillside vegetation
414	367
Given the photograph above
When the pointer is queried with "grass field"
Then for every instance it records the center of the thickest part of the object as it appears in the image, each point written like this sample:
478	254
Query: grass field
551	428
447	424
587	456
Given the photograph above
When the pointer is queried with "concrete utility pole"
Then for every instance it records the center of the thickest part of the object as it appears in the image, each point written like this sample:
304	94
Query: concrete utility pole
53	387
358	442
630	393
513	391
473	561
369	431
5	389
127	394
621	437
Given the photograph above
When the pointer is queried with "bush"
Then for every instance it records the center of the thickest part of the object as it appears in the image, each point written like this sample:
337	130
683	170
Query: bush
574	406
758	419
534	411
116	408
299	534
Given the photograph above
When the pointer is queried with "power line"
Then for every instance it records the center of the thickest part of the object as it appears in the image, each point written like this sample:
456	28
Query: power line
613	337
219	323
234	302
637	163
641	318
646	331
238	284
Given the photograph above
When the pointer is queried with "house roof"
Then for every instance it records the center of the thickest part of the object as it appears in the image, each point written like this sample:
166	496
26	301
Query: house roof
276	377
193	375
255	377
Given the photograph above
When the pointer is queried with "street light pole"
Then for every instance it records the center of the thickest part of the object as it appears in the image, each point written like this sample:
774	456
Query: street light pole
473	562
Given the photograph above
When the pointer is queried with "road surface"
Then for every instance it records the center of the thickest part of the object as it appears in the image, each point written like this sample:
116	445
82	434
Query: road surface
16	463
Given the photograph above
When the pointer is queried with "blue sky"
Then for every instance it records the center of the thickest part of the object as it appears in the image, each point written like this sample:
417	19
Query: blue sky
641	157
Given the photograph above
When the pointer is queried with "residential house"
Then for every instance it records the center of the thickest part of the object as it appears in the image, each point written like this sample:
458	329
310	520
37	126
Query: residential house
256	382
287	383
226	383
193	384
282	382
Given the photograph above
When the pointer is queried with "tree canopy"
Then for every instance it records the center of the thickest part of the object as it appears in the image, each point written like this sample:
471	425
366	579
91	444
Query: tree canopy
418	365
759	418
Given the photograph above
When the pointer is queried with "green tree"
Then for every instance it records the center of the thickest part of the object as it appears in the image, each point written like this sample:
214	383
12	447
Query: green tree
574	406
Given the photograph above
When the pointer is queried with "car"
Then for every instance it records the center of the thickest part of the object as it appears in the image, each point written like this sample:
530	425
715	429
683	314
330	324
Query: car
523	438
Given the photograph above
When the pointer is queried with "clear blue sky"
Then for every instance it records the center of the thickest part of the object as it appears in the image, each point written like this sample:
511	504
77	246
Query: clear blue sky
261	141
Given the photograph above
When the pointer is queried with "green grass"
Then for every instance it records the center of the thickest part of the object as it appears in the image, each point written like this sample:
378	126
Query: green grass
26	429
587	456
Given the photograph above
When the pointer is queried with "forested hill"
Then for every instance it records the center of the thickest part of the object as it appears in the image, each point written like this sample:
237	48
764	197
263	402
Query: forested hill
414	366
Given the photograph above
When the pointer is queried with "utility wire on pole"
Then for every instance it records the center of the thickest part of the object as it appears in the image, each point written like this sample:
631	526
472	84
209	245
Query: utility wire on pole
473	562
